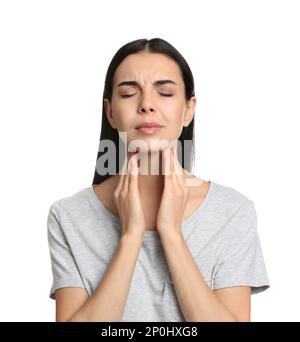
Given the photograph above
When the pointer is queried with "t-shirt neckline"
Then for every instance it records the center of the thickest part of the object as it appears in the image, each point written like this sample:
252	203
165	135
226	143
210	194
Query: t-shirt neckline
152	233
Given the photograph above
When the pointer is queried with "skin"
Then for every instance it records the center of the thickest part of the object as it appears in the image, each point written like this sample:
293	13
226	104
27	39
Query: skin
147	104
144	202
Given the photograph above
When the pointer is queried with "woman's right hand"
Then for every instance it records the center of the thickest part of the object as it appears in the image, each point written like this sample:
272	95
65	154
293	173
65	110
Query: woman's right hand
128	200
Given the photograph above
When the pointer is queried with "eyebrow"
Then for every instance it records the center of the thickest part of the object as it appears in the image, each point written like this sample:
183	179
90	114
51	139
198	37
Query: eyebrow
135	83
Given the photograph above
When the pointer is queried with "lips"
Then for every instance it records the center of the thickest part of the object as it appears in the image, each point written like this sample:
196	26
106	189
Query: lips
149	130
148	125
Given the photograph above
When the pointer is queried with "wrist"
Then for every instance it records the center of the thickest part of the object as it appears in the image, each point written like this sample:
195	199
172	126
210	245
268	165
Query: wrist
132	237
171	235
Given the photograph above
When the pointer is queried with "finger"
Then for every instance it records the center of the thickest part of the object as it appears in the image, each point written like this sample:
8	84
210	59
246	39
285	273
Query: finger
166	163
175	177
126	179
178	172
133	177
172	160
121	176
176	164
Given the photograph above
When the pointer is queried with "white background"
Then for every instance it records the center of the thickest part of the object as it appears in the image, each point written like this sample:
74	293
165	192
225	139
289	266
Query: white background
244	56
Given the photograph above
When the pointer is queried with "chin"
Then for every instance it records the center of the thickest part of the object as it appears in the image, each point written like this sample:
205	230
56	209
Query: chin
148	145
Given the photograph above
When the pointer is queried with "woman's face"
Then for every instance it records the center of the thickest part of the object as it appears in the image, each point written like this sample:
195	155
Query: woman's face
146	100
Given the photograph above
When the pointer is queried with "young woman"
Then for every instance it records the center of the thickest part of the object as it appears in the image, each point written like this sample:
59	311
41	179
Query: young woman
153	246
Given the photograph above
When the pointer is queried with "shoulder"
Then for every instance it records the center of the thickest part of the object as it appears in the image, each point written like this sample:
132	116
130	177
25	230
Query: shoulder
236	208
230	193
71	204
229	197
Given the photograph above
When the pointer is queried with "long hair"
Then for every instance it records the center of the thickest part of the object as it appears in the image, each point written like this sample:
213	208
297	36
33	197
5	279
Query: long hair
155	45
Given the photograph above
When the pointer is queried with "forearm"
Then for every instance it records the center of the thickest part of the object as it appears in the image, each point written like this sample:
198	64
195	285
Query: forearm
108	301
197	301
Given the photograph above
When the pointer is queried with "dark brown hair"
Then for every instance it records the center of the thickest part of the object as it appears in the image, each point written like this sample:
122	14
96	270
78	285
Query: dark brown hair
155	45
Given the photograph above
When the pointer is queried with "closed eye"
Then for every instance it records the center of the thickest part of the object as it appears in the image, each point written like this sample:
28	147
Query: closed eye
169	95
127	95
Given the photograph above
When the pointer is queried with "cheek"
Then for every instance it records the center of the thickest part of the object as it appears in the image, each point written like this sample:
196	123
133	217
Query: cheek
173	115
174	122
125	115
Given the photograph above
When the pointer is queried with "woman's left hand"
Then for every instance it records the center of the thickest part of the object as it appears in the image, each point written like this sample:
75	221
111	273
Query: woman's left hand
174	197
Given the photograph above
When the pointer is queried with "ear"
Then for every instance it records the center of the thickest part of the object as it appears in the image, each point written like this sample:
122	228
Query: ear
108	111
190	111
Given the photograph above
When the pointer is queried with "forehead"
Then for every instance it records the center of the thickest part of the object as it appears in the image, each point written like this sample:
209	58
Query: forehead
147	67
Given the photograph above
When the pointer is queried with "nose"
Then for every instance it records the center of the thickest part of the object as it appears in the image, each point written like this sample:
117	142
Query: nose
145	109
145	106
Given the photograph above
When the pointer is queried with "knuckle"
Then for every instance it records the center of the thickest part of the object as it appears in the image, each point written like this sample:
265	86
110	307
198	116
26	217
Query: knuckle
122	195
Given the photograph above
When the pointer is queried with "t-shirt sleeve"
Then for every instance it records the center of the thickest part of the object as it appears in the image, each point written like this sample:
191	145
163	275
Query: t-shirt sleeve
242	263
64	269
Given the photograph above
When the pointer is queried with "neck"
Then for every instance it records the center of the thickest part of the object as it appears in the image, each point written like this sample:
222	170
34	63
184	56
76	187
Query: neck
151	177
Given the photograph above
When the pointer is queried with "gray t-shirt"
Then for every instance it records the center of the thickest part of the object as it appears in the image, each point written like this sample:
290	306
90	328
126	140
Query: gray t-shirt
221	235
